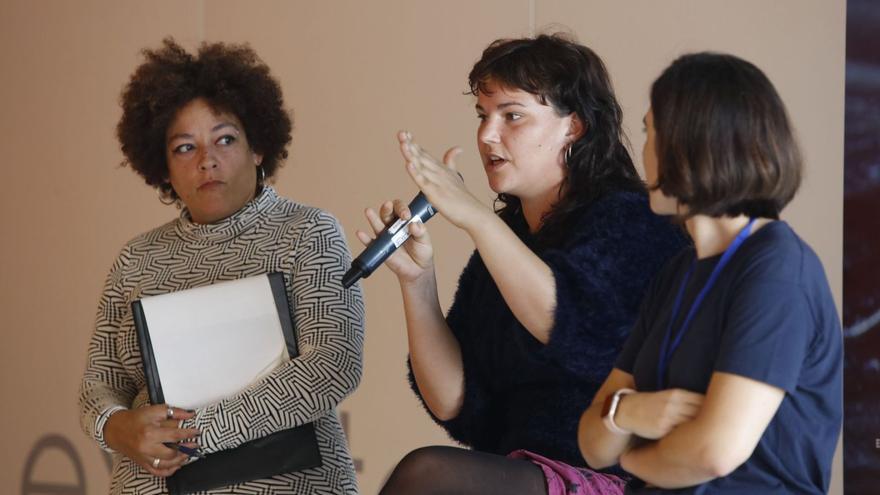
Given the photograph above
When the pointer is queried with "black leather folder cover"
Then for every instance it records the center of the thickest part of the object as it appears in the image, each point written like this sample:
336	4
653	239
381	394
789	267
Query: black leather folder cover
285	451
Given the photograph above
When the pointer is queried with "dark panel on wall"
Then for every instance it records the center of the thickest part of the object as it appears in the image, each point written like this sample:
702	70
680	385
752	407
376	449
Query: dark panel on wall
861	248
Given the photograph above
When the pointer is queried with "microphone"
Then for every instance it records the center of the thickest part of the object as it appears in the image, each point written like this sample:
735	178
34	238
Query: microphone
387	242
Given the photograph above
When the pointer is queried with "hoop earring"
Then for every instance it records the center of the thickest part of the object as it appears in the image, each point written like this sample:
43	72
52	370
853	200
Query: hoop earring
165	200
567	157
262	175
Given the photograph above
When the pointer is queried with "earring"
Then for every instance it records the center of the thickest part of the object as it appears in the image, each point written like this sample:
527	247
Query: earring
568	154
262	175
165	199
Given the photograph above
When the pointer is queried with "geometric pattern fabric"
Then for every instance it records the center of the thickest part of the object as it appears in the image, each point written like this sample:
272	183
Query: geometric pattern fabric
268	234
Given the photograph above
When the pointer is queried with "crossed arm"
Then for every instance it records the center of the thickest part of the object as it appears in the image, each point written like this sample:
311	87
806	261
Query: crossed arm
680	438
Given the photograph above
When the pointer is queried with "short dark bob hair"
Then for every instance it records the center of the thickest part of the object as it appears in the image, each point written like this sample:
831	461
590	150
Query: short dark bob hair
724	143
231	78
572	79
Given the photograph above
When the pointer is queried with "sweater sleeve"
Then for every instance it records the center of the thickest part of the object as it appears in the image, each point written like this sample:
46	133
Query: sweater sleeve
106	386
329	320
601	277
465	425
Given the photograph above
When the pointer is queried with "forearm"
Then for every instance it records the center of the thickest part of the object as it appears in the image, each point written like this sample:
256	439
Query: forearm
97	404
679	459
600	446
435	354
721	438
105	386
300	391
526	283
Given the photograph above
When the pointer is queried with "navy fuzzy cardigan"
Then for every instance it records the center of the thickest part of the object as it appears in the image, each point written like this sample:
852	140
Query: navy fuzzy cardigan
521	394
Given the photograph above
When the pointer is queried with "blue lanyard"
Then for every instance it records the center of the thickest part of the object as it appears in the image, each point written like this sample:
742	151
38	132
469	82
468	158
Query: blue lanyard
666	350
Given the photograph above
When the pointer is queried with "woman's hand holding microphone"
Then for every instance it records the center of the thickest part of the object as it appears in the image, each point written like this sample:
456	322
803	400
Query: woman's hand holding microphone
416	258
444	188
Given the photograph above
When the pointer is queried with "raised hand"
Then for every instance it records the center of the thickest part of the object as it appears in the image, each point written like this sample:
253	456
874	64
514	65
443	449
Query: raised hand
441	183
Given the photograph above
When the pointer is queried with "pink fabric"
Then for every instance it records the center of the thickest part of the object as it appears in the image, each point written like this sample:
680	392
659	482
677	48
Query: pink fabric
563	479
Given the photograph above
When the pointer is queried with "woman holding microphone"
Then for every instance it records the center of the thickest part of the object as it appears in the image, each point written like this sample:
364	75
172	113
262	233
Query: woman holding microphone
548	297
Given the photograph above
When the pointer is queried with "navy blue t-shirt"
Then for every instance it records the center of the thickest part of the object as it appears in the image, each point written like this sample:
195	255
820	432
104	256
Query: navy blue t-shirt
770	317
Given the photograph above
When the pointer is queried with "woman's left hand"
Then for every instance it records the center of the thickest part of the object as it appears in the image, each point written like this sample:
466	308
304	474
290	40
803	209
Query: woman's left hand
653	415
441	183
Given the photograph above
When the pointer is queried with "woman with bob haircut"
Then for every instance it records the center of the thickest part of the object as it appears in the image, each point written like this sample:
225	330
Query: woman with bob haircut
209	131
731	379
548	297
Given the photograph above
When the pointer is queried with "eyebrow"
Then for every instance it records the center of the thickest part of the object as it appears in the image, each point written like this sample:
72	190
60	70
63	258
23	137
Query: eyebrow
184	135
501	105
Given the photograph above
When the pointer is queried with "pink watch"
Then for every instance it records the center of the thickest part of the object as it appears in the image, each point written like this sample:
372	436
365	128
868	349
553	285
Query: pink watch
609	409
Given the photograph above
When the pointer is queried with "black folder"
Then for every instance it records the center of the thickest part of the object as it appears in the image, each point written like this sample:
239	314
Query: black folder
285	451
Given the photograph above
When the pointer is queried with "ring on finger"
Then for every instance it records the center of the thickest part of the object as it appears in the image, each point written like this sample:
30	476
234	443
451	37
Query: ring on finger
169	413
156	463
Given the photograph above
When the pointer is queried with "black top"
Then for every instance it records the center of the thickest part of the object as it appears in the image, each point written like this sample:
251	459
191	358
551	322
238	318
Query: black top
770	317
522	394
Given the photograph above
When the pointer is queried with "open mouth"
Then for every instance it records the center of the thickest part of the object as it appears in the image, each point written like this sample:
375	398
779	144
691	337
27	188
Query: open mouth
496	161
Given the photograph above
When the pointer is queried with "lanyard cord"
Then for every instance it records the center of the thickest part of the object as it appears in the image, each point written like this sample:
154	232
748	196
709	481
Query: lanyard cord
666	350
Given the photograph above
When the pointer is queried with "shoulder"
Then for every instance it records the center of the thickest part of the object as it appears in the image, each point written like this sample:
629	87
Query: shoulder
620	203
784	268
149	240
297	215
626	211
625	219
306	226
775	253
130	259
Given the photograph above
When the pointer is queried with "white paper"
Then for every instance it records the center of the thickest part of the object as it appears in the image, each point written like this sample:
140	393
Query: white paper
212	342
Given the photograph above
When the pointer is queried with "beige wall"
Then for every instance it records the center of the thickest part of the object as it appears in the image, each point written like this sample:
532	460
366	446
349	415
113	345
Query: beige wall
353	73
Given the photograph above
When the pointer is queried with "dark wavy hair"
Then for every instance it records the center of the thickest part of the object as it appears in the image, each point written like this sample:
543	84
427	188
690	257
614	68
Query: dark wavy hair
231	78
724	143
572	79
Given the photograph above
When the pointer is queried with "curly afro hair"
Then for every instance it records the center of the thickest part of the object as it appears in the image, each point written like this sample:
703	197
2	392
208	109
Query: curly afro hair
231	78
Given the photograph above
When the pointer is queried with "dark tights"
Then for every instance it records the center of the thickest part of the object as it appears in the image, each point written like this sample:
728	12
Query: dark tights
450	470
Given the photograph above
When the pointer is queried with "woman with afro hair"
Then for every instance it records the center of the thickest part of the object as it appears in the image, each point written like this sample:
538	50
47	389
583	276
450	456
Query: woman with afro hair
209	131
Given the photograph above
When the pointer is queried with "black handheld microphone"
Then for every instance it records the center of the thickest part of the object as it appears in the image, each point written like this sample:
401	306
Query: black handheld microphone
387	242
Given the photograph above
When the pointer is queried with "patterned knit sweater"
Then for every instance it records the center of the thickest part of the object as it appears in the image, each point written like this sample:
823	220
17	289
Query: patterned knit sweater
268	234
522	394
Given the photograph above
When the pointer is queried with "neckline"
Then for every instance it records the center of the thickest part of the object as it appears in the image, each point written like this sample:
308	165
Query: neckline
711	260
231	226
